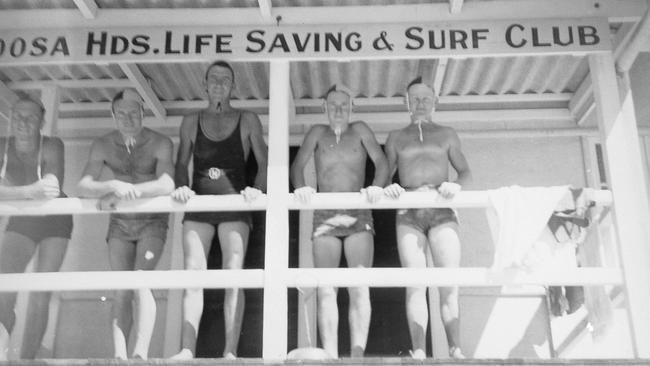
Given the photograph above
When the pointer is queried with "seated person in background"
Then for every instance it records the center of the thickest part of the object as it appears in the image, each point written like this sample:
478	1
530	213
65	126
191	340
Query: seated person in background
32	168
421	152
141	161
340	150
219	139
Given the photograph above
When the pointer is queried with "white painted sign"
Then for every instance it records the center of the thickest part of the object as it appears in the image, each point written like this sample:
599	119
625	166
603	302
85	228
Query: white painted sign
350	41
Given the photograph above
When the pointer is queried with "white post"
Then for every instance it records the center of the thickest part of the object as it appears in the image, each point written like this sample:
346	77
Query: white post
307	327
620	141
276	257
50	98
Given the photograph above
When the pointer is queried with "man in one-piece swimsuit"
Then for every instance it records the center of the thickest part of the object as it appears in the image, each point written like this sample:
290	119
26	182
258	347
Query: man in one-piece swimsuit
32	169
421	152
219	139
340	150
141	161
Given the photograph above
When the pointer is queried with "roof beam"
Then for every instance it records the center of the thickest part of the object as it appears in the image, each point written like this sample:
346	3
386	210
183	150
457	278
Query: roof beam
455	6
143	87
582	104
439	75
614	10
71	84
640	37
87	7
265	10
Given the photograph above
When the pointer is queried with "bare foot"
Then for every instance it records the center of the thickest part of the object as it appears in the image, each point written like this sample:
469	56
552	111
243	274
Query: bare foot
184	354
456	353
418	354
356	352
229	356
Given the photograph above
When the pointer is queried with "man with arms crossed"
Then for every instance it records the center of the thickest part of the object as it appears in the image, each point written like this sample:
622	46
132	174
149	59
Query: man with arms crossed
422	152
219	139
340	151
141	162
32	169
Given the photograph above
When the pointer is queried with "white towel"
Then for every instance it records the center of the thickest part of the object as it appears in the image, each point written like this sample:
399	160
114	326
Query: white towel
517	217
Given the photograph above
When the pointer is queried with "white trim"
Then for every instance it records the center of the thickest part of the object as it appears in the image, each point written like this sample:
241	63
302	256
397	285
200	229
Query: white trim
614	10
88	8
266	10
639	39
305	278
439	77
142	85
455	6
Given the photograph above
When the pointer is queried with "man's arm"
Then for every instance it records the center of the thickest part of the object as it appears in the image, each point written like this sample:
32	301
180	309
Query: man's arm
302	157
458	161
181	174
374	151
164	184
261	151
391	156
88	186
45	188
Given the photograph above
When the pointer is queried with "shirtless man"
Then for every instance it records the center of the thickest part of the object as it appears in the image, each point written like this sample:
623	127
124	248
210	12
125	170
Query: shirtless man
340	151
219	139
32	169
422	152
141	162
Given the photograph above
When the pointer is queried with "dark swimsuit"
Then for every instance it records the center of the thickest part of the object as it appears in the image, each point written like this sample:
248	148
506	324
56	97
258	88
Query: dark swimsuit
36	228
227	156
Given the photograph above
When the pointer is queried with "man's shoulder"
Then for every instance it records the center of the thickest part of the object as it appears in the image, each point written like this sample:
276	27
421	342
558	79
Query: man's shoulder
157	137
248	116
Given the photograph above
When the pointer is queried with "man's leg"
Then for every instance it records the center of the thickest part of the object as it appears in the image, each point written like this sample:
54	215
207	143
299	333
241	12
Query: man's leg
327	254
197	239
148	253
16	252
233	237
50	257
445	248
121	254
411	247
359	250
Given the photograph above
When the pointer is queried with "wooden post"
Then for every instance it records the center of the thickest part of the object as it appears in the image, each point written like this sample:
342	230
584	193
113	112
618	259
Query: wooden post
620	140
307	327
276	257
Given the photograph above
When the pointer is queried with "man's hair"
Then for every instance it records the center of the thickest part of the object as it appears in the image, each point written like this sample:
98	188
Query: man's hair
339	88
416	81
127	94
30	99
223	64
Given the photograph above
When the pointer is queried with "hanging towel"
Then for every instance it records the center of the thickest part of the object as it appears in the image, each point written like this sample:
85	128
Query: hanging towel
517	218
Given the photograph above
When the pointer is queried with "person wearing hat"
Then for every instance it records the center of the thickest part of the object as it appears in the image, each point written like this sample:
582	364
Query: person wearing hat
340	150
422	152
32	169
141	162
219	140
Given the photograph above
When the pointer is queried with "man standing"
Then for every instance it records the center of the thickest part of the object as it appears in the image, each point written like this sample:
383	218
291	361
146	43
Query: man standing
141	161
422	152
32	169
219	139
340	151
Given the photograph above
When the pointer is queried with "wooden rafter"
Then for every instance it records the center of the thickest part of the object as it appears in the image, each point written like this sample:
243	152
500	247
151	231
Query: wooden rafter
87	7
143	87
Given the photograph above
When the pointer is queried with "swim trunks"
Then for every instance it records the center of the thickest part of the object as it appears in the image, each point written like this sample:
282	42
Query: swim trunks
219	168
342	223
425	219
134	227
38	228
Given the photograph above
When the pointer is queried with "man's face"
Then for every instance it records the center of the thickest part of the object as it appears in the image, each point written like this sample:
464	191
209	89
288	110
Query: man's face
219	83
26	119
128	116
338	109
421	101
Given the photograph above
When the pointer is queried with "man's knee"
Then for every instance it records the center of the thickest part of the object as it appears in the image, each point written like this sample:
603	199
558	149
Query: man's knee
194	262
448	295
359	295
326	293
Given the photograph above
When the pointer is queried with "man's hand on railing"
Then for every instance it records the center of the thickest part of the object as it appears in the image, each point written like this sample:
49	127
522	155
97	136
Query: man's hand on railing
394	190
183	194
250	194
373	193
125	191
449	189
45	188
108	202
303	194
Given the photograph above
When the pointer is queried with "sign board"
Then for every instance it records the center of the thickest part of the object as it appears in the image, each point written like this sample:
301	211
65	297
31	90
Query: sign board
323	42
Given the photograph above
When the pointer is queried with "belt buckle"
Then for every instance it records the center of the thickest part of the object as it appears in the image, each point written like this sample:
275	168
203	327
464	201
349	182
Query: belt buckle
214	173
